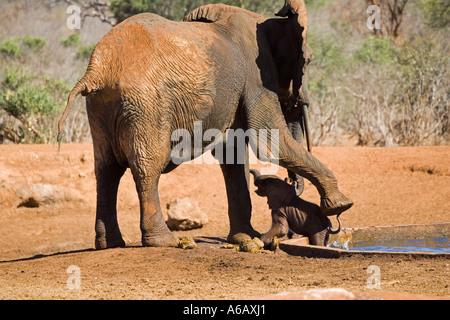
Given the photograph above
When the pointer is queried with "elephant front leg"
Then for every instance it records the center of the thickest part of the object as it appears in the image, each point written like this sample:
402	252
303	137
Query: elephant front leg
279	227
296	158
239	204
319	238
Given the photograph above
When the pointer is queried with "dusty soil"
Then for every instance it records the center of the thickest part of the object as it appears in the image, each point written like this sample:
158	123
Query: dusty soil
37	245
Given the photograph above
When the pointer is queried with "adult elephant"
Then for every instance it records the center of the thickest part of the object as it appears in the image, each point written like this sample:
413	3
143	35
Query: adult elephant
226	67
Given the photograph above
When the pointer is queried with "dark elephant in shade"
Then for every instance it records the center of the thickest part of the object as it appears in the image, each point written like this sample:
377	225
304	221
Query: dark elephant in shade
290	213
224	67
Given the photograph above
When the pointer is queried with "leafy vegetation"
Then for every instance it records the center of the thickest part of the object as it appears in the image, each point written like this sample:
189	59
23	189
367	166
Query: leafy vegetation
377	50
73	40
33	101
27	101
381	90
11	47
85	52
14	47
382	87
437	13
177	9
34	44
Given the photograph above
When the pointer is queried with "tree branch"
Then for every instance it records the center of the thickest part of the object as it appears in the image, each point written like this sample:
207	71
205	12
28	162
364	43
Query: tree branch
96	9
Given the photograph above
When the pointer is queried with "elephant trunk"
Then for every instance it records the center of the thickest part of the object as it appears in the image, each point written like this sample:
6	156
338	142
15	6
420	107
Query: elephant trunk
256	176
338	229
296	11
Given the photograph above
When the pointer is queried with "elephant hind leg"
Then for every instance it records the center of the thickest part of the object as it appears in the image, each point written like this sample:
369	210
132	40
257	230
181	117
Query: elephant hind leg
155	232
108	174
146	169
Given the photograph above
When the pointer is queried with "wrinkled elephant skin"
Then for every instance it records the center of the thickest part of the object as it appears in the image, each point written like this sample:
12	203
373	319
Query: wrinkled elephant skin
290	213
225	67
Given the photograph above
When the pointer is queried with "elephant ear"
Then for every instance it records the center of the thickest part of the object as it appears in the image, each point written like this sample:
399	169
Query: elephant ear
212	13
296	9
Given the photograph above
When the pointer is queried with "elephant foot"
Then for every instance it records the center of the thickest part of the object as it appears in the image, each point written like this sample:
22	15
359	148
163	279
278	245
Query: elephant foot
162	240
237	237
104	243
335	203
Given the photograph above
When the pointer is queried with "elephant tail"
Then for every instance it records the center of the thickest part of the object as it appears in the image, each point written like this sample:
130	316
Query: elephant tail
338	229
81	87
256	176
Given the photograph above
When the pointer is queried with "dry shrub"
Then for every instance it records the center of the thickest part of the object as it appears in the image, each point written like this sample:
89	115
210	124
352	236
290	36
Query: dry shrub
383	91
30	20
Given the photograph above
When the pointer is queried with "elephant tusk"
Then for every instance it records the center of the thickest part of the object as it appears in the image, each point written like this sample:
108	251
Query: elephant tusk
306	126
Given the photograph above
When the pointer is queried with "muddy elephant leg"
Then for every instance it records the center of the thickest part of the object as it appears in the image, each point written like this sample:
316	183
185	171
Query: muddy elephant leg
295	157
319	238
155	232
298	159
108	173
279	227
239	204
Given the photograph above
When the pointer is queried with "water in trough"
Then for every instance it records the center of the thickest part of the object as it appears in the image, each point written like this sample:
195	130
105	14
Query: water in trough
436	245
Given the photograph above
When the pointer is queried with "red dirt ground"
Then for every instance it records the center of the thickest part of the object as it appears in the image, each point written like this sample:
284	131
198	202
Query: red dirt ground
409	185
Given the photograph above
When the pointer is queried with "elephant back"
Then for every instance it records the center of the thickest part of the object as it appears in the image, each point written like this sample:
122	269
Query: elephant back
213	12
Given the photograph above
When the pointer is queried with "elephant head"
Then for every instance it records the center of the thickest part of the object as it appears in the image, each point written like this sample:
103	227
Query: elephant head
294	87
291	54
294	71
278	192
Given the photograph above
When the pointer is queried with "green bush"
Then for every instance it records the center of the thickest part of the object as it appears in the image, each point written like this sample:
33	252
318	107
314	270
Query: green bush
377	50
327	64
14	78
22	93
11	47
424	64
35	44
177	9
72	41
327	52
14	47
28	100
85	52
437	12
34	100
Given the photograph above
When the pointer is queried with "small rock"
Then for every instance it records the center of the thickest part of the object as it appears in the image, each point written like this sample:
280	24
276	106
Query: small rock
34	195
316	294
185	214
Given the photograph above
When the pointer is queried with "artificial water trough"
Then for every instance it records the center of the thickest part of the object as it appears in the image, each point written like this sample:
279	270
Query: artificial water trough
420	240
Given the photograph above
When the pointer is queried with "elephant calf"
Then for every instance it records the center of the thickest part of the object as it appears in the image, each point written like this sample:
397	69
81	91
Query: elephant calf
291	213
